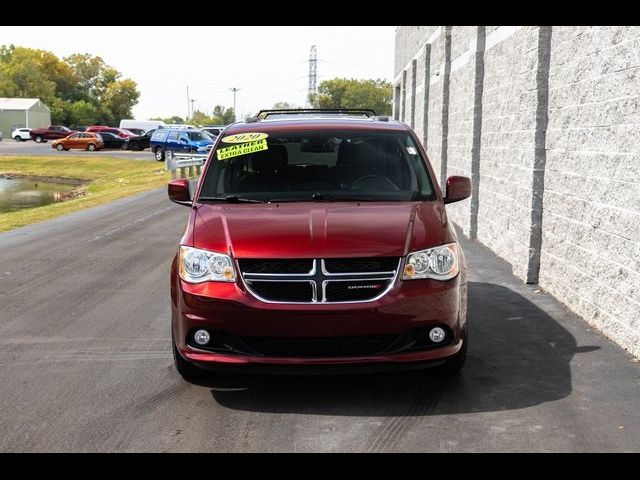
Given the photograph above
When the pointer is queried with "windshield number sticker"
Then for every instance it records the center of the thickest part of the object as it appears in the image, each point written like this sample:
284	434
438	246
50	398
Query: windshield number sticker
244	137
411	151
241	149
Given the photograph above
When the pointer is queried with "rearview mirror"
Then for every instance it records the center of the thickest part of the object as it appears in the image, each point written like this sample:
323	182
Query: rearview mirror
178	190
458	188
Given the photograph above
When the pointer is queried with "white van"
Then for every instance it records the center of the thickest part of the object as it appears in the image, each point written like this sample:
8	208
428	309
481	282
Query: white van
145	125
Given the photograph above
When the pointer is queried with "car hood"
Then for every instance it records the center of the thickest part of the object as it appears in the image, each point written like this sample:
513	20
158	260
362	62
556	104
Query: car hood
315	230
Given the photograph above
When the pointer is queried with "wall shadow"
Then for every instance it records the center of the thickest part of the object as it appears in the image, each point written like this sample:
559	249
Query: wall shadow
518	357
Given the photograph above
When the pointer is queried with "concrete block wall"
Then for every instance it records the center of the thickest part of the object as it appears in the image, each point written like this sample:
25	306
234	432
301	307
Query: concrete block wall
464	92
507	149
545	122
590	256
437	111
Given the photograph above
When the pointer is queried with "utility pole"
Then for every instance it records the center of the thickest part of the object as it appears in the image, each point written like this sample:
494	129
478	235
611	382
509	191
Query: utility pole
313	75
234	90
188	102
192	109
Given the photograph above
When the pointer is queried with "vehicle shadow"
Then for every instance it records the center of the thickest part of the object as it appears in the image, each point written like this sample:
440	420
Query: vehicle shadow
518	357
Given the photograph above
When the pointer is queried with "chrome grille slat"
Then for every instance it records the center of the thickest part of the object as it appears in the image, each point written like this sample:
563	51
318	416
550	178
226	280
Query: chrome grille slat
320	279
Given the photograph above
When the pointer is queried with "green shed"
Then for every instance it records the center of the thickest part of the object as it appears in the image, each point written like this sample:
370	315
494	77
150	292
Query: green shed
22	112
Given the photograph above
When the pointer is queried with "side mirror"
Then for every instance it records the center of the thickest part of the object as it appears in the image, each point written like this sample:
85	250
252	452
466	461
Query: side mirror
458	188
178	191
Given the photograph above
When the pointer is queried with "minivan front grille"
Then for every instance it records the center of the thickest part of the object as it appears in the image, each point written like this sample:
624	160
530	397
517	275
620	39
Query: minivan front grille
335	280
278	267
354	290
372	264
282	291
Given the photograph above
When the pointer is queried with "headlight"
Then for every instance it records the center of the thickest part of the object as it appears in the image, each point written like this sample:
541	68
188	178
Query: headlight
197	266
439	263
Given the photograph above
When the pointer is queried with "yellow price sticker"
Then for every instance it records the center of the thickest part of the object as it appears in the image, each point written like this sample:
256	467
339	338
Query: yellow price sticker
241	149
244	137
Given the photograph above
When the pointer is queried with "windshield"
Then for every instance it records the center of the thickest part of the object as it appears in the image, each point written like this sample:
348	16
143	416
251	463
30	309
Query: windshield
199	135
318	166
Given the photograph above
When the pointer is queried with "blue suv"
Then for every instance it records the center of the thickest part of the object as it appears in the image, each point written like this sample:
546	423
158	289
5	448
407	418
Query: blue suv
179	140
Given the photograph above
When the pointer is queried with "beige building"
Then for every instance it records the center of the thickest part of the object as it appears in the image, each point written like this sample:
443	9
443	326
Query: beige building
22	112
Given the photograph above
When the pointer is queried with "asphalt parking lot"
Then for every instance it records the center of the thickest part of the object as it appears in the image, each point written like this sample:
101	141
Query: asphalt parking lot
30	148
86	362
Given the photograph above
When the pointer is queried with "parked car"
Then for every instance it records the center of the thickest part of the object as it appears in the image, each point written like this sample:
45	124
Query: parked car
116	131
181	126
52	132
122	133
140	142
214	130
146	125
180	141
79	140
81	128
111	140
318	242
21	134
135	131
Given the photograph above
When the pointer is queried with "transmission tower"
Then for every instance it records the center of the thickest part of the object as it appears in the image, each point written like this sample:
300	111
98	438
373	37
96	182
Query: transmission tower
313	75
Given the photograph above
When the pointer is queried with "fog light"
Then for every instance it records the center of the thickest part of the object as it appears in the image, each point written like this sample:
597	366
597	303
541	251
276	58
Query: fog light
436	334
201	337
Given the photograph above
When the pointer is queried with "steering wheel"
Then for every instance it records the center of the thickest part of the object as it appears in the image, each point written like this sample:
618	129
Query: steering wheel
375	182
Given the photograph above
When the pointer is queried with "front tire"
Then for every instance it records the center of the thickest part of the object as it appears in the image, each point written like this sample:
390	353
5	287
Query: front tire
18	139
159	153
187	370
59	147
38	139
91	147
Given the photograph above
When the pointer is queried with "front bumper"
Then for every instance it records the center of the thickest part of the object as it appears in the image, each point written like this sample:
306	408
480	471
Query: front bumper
228	307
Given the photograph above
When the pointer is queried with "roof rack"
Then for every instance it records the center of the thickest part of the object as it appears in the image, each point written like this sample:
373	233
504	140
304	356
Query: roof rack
305	111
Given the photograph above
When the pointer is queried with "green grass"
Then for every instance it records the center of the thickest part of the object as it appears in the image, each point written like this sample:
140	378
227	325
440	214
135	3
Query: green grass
106	179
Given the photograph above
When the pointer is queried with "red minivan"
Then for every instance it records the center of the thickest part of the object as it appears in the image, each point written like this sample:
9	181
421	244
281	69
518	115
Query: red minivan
318	241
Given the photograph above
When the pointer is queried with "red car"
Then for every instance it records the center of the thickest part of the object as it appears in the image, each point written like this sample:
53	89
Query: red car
116	131
318	242
52	132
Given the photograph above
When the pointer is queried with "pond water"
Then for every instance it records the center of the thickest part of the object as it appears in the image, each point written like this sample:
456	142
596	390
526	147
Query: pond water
20	193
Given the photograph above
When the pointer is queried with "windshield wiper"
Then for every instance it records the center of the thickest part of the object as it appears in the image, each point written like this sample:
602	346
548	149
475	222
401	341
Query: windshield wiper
319	197
229	199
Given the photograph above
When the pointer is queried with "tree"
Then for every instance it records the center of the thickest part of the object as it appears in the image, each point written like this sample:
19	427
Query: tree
175	120
60	73
90	73
82	112
120	96
284	106
200	118
170	120
353	93
21	75
61	84
225	115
